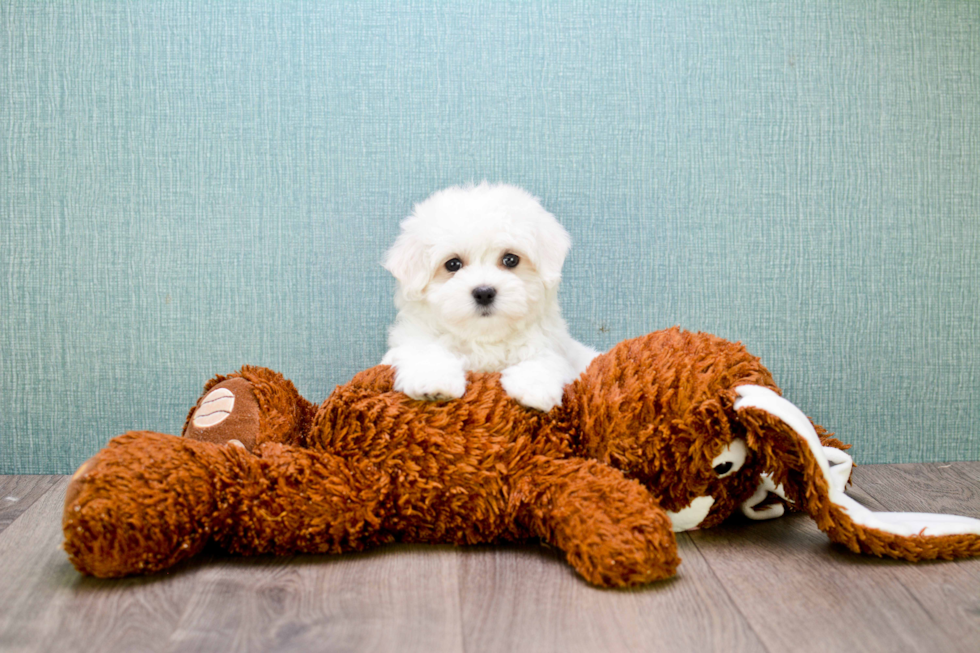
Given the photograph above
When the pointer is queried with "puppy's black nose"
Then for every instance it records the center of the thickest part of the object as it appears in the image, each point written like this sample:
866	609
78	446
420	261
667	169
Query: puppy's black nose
484	295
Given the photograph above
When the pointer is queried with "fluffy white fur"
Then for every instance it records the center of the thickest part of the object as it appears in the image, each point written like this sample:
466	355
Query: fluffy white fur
441	330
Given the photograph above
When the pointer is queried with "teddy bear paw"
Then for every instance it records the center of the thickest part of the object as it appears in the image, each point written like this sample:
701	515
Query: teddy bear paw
227	414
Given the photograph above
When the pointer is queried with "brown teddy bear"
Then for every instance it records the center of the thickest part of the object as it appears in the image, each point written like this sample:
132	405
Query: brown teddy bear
666	432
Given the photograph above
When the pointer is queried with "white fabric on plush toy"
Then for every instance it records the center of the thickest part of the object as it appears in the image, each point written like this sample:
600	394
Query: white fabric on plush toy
771	511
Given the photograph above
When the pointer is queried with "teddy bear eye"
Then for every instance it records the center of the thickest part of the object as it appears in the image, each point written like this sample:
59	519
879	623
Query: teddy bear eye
454	265
510	260
731	458
724	468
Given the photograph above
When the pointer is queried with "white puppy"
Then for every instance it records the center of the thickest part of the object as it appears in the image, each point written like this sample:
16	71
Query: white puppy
478	270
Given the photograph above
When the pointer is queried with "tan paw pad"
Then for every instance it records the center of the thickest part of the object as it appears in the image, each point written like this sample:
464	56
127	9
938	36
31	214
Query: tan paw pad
214	408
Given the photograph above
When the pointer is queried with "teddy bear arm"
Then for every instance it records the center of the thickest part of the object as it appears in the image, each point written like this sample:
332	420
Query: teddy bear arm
299	500
611	528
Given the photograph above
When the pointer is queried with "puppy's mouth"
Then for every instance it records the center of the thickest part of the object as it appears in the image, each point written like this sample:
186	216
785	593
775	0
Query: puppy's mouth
484	311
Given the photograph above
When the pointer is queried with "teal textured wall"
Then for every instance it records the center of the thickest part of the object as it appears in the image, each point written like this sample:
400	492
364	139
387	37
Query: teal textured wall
186	187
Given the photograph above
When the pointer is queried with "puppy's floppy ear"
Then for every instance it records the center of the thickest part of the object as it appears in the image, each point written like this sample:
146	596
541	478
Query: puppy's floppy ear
553	243
408	262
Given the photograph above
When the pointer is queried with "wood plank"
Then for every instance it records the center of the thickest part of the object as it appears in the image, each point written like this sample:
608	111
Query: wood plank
743	586
529	599
31	565
45	605
924	487
18	493
801	592
402	598
949	592
117	615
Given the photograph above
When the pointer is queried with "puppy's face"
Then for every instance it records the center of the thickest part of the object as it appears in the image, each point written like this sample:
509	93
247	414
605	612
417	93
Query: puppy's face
482	288
482	259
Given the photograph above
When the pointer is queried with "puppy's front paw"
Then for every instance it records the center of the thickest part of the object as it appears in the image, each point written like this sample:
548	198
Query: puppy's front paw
432	382
533	385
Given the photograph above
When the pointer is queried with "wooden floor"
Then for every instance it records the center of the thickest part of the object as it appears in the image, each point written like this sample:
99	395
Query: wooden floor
772	586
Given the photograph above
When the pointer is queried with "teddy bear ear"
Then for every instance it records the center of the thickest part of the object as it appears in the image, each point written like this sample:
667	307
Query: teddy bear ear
820	474
407	261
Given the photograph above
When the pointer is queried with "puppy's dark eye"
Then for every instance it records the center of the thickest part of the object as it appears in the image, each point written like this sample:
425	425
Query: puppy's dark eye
723	468
510	260
454	265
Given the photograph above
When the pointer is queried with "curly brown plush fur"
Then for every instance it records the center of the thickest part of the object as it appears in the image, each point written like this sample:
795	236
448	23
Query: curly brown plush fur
597	477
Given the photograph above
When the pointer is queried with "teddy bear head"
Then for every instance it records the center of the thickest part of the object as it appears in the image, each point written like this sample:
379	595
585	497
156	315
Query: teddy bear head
661	408
700	422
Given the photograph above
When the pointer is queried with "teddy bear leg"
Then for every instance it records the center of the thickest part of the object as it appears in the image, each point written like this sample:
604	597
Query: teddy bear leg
143	503
249	407
148	501
611	528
